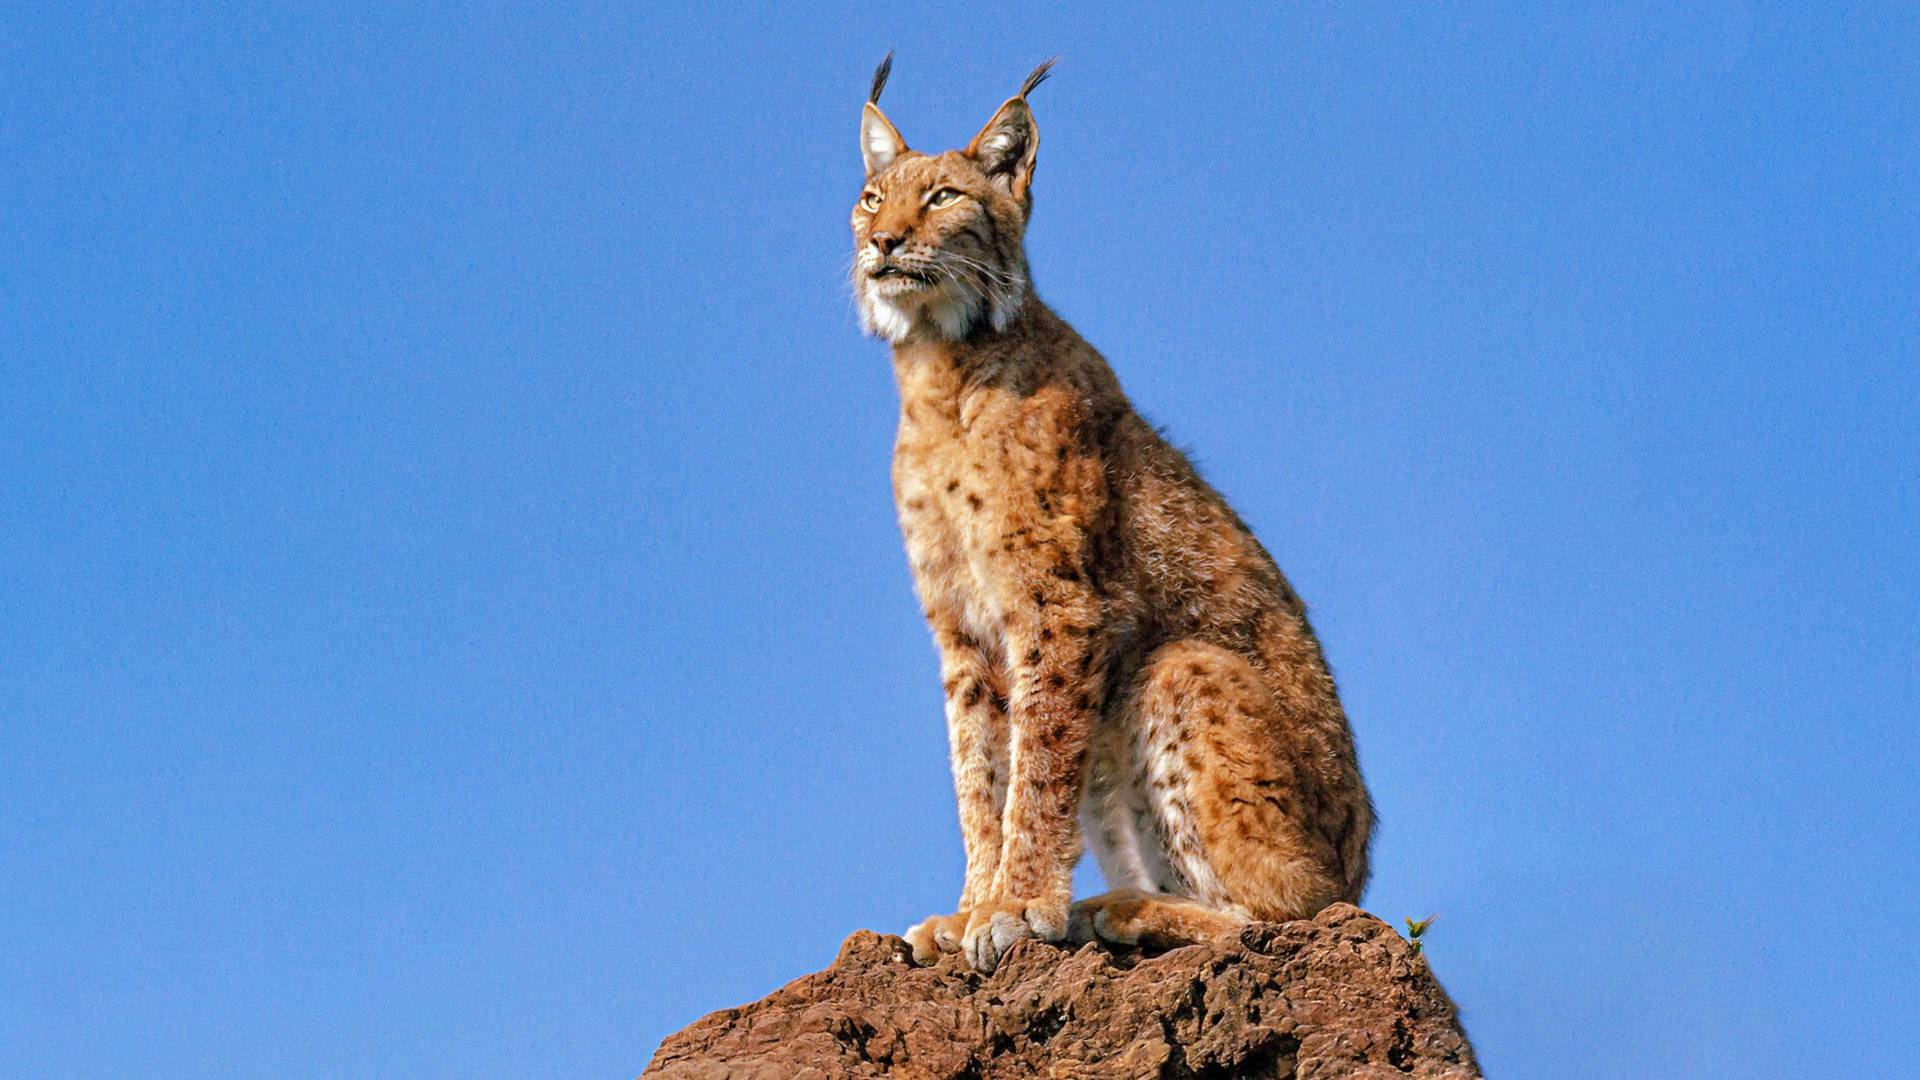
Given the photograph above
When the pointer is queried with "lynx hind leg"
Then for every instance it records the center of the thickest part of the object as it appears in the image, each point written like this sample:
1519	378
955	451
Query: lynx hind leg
1247	828
1153	920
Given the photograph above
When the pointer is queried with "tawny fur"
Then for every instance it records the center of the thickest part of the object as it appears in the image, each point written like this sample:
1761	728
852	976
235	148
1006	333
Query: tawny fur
1120	656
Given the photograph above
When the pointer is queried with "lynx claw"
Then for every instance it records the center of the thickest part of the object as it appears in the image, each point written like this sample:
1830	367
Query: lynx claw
994	927
934	935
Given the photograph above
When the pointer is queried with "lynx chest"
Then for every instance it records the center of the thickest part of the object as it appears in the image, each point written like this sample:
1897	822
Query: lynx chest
947	479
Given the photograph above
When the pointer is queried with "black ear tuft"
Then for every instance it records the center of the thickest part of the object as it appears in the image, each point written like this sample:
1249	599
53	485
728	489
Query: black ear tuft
1034	79
886	68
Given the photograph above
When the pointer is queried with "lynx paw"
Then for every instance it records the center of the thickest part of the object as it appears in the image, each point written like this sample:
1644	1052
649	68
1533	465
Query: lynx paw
1128	917
993	927
1120	920
936	934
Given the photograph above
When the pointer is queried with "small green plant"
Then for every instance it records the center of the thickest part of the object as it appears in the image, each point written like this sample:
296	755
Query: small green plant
1418	927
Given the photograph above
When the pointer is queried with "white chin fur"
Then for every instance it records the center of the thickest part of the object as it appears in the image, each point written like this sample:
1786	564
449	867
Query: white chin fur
883	318
943	312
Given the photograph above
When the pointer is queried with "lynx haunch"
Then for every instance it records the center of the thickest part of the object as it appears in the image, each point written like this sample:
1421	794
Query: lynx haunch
1120	656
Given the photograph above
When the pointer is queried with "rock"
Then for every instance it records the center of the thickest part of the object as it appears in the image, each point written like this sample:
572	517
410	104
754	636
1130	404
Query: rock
1340	995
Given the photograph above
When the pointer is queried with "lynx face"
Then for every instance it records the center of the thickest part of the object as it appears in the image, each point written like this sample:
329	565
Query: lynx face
937	240
937	247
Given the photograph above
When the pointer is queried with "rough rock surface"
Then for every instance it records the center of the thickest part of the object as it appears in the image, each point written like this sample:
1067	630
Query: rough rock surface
1340	995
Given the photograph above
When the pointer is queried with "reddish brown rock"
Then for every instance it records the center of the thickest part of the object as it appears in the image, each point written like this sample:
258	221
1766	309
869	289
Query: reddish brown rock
1341	995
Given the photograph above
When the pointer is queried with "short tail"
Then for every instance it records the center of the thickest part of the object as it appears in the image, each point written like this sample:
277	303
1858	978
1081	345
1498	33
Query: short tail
1354	866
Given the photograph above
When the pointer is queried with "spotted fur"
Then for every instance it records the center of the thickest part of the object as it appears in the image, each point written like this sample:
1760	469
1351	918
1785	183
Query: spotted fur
1120	656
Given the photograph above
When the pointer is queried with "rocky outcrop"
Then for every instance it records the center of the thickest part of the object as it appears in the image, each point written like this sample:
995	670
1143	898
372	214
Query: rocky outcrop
1340	995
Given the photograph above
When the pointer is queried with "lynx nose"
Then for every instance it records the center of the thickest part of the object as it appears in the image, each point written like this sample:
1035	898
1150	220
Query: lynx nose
884	242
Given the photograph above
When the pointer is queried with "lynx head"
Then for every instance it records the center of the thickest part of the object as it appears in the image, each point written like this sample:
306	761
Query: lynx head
937	238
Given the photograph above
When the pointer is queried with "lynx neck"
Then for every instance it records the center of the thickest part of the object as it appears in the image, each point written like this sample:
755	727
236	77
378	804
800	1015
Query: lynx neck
1016	357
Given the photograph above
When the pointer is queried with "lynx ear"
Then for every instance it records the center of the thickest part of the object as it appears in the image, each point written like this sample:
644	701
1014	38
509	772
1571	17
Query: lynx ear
880	142
1007	146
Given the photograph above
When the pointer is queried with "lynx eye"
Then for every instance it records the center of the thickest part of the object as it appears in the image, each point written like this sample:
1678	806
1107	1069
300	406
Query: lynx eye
944	197
869	201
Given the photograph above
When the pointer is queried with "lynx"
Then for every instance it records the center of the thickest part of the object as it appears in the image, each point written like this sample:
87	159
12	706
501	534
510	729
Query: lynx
1121	658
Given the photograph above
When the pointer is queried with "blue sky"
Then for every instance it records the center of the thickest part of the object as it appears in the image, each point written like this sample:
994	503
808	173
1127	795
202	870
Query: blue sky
455	623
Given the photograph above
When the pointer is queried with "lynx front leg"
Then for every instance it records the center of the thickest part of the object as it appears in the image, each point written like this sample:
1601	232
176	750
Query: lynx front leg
977	739
1052	710
1027	532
